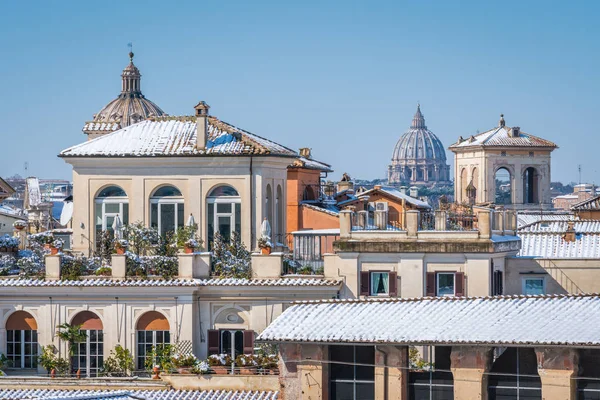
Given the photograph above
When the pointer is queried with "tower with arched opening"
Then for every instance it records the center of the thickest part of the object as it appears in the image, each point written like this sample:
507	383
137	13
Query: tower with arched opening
503	166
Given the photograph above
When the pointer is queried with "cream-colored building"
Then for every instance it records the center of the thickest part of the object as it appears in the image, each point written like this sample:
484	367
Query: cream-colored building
163	170
503	166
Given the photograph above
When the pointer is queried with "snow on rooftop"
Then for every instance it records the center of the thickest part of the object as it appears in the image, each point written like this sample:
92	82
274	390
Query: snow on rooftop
176	136
503	320
500	137
55	394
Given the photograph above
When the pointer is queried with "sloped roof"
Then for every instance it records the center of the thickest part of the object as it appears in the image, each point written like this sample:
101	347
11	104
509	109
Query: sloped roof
390	192
592	204
499	137
104	282
329	209
5	189
176	137
309	163
568	320
526	218
55	394
545	239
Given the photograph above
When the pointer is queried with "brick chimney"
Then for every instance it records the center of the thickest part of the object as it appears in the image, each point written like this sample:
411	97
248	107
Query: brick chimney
570	234
201	124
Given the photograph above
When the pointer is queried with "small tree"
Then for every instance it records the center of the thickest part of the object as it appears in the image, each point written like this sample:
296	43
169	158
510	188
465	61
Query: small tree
106	246
119	363
140	237
73	335
231	260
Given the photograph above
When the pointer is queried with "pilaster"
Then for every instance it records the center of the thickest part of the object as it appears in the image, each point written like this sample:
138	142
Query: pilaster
469	366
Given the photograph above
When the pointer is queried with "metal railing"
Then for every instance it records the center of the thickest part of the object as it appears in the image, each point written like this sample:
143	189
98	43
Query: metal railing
306	252
378	220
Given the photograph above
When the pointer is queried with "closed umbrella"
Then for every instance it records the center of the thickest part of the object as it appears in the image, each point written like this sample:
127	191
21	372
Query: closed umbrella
118	227
191	221
265	230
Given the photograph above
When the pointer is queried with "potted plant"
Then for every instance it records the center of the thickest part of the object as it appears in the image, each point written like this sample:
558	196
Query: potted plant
265	246
73	335
190	246
19	225
121	246
219	363
201	368
269	364
47	239
104	271
56	246
184	363
247	363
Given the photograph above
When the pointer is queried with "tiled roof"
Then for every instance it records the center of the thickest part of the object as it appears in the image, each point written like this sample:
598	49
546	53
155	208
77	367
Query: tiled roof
504	320
16	282
529	218
592	204
332	210
101	126
176	136
499	137
309	163
545	239
393	193
48	394
545	226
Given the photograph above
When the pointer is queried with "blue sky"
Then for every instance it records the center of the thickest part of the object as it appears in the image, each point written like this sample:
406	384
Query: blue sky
341	77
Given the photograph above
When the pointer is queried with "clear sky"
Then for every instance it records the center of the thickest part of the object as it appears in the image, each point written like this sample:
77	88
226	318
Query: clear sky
341	77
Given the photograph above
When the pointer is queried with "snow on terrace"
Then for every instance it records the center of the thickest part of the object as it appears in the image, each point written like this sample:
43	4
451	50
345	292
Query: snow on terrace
504	320
176	136
55	394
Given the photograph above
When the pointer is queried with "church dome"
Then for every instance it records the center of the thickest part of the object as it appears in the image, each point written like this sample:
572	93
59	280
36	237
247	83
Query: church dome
419	143
419	156
128	108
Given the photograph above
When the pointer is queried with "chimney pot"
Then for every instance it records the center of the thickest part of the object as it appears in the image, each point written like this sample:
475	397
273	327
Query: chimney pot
201	124
305	152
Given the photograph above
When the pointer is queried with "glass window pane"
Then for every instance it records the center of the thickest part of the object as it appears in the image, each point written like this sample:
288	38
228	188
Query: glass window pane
112	191
180	215
365	391
342	360
9	335
167	218
34	336
149	337
239	343
379	283
224	226
534	286
159	337
238	217
167	337
141	335
211	224
343	391
224	208
223	191
125	213
167	191
226	342
112	208
92	335
365	355
445	284
28	336
154	215
98	217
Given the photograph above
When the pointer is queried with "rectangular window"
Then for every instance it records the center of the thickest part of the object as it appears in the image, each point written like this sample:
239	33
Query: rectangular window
352	372
445	283
534	286
380	283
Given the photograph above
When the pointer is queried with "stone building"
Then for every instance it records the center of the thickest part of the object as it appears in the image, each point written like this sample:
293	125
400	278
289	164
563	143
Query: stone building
419	157
129	107
503	166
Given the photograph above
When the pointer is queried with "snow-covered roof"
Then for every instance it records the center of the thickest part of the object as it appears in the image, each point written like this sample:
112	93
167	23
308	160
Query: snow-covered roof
331	210
545	239
12	212
531	217
390	191
176	136
500	137
309	163
104	282
55	394
592	204
545	226
568	320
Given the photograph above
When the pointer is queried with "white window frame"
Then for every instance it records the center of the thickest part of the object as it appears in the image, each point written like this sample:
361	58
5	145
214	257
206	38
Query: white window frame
386	294
160	201
213	201
22	343
437	284
524	280
110	200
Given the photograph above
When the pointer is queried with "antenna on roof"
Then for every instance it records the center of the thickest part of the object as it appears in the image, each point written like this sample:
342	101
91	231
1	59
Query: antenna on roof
26	167
579	169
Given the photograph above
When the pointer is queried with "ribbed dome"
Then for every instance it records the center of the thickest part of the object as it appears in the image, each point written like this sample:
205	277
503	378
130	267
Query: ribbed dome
418	143
129	108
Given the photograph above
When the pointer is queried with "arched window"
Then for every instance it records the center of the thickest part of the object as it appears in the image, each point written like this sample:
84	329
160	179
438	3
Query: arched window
279	218
89	356
152	330
463	185
110	202
224	213
166	209
269	208
21	340
502	180
309	193
530	186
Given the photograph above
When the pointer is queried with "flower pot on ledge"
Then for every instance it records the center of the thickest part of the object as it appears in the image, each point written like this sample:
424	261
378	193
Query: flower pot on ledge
219	369
184	370
247	371
265	251
188	250
120	250
53	251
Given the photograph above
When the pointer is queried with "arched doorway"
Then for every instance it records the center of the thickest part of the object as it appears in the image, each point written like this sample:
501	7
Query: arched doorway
21	340
224	213
503	186
110	202
279	203
152	330
514	375
166	209
89	356
530	186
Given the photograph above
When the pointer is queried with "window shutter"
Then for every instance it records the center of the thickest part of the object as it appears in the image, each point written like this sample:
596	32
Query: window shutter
364	283
459	284
248	342
213	342
393	282
430	289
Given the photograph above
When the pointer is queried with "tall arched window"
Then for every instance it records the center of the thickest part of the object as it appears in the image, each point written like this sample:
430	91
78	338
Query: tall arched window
224	213
269	208
152	330
89	356
502	180
166	209
279	219
110	202
463	185
21	340
530	186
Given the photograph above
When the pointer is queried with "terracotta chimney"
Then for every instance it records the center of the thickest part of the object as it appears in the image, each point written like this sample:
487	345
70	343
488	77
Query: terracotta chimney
201	124
570	234
305	152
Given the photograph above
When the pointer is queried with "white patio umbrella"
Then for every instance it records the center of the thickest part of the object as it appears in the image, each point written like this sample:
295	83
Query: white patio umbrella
265	230
118	227
191	221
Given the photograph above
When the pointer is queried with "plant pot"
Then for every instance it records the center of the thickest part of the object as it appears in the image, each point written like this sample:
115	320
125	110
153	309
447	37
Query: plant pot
265	250
19	227
155	373
220	369
184	370
53	373
53	251
273	371
120	250
47	246
188	250
247	371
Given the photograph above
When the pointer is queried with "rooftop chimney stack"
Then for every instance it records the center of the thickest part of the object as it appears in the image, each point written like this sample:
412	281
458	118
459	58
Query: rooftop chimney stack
305	152
201	125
